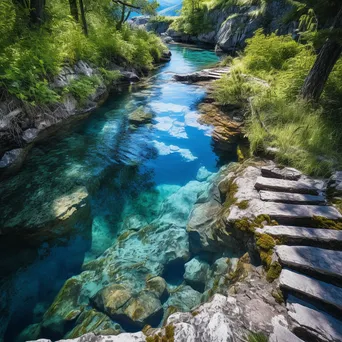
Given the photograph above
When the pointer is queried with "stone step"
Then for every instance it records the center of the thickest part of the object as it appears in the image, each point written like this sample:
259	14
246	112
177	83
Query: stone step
312	260
305	236
282	334
287	197
312	289
293	214
304	186
273	171
312	324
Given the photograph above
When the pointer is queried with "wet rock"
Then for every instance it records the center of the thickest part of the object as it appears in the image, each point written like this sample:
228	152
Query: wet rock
42	213
111	298
94	322
184	298
134	222
12	160
130	77
63	310
139	116
203	174
31	332
158	286
144	309
30	135
196	272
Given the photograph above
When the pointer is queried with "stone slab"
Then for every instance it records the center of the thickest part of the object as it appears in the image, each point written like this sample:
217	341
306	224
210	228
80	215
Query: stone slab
313	236
305	186
273	171
282	334
312	323
318	260
311	288
287	197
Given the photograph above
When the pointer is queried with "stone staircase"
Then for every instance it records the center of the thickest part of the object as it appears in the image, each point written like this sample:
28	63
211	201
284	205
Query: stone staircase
203	75
311	258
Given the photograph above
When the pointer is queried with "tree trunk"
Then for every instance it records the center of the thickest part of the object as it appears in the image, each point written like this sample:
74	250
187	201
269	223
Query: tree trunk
123	10
324	64
73	9
83	17
37	11
319	74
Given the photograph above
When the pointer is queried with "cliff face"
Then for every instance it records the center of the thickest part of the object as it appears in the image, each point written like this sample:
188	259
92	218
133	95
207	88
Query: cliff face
234	24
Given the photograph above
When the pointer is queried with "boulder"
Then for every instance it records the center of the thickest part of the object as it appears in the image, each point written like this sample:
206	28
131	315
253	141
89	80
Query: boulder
129	77
30	135
64	310
143	309
139	116
158	286
184	298
134	222
12	160
112	298
196	272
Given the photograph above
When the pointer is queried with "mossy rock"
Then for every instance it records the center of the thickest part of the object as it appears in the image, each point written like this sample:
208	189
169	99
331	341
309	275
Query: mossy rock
265	242
95	322
323	222
111	298
273	271
64	309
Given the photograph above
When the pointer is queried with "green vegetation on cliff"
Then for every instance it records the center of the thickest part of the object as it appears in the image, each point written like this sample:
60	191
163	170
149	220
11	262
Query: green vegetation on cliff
38	38
292	100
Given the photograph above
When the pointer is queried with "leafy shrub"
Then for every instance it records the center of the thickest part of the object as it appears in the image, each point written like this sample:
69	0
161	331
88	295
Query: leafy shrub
82	87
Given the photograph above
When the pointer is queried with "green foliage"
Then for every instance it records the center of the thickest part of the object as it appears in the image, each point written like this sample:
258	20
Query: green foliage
257	337
305	136
162	19
30	57
82	87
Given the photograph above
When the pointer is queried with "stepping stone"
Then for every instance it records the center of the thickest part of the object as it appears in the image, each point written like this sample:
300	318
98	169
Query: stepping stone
307	320
281	173
282	334
304	235
293	214
287	197
312	259
301	187
317	290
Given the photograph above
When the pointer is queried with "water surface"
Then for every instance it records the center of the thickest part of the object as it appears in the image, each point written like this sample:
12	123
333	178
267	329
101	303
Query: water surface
126	170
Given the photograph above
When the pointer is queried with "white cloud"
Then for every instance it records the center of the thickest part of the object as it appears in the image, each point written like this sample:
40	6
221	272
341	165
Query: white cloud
165	150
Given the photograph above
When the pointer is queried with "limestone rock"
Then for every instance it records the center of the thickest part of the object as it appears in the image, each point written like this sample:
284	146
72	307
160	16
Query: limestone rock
139	116
143	309
111	298
272	171
313	324
196	272
134	222
63	310
158	286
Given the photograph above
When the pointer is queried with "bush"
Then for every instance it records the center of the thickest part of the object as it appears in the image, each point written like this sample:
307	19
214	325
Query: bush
307	137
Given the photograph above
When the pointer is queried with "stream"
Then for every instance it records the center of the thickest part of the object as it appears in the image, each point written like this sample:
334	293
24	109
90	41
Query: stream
133	176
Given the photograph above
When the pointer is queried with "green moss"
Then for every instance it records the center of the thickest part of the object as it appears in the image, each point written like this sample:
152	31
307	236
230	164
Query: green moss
230	196
247	225
243	204
323	222
265	242
278	296
168	336
273	271
257	337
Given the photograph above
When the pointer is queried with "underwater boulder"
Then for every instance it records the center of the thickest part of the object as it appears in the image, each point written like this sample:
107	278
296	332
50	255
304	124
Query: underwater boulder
196	272
139	117
158	286
143	309
30	333
184	298
63	311
95	322
134	222
111	298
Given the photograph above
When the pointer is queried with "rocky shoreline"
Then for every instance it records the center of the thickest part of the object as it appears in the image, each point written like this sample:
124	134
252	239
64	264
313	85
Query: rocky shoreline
22	124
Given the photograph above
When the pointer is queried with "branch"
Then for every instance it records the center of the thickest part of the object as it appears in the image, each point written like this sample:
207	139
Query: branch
126	4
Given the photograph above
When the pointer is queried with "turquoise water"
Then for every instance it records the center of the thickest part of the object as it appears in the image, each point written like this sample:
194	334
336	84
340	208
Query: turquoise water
126	170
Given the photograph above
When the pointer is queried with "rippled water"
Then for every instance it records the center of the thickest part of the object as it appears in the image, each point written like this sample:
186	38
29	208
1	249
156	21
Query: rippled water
127	170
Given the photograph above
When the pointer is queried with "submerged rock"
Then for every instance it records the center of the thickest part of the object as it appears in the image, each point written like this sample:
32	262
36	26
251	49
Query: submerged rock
184	298
139	116
196	272
111	298
158	286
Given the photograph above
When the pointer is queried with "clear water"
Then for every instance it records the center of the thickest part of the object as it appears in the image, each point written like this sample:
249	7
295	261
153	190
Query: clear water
125	170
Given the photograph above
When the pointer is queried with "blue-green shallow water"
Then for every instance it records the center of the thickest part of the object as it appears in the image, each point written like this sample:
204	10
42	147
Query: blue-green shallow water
126	171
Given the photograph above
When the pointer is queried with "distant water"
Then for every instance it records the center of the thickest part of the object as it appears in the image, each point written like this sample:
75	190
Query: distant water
126	170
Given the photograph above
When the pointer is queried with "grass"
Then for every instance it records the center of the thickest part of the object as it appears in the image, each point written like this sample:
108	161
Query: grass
304	135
